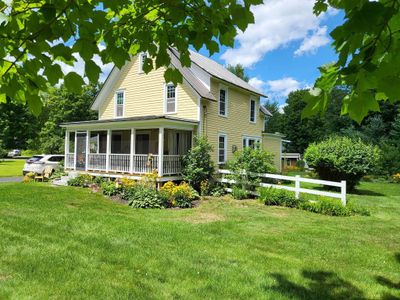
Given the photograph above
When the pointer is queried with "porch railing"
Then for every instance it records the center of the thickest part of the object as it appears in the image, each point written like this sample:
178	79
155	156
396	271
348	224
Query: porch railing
172	164
97	161
119	162
142	163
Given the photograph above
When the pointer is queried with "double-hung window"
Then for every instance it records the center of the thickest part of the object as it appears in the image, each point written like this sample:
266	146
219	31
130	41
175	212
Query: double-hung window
252	142
119	103
222	148
170	98
142	59
253	110
223	102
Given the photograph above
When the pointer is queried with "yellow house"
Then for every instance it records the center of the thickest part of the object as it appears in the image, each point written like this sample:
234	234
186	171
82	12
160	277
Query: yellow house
146	124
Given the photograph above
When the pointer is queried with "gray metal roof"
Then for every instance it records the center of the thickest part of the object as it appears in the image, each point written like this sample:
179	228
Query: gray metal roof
215	69
193	81
130	119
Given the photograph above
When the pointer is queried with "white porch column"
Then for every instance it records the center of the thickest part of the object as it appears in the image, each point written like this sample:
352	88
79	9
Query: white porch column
75	148
133	150
87	149
160	151
66	146
108	150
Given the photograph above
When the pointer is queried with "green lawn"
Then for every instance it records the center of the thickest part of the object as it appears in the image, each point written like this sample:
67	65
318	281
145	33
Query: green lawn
9	168
63	242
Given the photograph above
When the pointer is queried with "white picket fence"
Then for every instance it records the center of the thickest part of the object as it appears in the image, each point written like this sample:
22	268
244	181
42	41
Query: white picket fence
297	189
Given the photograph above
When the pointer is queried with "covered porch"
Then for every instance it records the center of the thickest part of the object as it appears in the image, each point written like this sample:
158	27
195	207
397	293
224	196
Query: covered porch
130	146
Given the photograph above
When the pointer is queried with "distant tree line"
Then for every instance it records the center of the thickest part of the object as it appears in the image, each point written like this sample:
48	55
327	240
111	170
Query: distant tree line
378	128
20	129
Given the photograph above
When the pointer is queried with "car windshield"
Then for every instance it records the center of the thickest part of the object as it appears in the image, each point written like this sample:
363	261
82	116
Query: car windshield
35	158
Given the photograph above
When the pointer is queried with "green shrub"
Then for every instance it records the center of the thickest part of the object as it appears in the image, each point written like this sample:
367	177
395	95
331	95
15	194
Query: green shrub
328	207
342	158
248	161
239	193
279	197
217	190
110	188
390	162
325	206
197	165
145	197
58	171
82	180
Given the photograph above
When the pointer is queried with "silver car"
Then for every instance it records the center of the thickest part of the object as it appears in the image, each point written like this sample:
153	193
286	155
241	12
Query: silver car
38	163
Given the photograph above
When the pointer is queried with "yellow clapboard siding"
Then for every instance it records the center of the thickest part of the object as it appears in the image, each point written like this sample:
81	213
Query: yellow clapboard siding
144	95
273	144
236	125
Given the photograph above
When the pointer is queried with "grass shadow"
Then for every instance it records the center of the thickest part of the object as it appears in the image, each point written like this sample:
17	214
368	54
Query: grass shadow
390	283
366	193
321	285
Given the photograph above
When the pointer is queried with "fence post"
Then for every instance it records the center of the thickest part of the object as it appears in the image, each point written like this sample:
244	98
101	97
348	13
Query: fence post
297	186
343	192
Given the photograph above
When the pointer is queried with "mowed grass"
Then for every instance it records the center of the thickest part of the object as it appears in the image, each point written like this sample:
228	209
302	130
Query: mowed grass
11	168
63	242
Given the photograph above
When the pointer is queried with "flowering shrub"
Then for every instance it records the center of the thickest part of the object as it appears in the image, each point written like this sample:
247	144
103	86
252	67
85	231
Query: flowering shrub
82	180
396	178
178	195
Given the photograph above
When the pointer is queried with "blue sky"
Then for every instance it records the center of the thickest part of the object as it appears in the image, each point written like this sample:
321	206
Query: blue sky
283	49
280	52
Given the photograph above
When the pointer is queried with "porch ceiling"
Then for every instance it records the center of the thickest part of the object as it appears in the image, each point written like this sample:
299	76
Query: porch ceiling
134	122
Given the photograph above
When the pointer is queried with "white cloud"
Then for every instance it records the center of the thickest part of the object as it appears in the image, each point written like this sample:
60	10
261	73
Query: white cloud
279	89
277	23
257	83
310	44
283	87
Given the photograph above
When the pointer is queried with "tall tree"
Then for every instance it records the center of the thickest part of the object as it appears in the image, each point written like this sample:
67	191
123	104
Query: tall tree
63	106
17	125
37	35
273	123
300	132
238	70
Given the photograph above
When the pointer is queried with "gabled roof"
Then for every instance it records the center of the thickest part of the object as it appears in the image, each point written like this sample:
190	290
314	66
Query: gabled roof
191	79
206	64
220	72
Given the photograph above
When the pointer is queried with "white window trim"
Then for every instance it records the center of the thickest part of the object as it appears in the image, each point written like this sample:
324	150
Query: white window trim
115	103
140	69
249	137
225	88
255	110
225	148
165	99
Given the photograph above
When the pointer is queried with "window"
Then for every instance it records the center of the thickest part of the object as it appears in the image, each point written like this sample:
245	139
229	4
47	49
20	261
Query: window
252	110
223	102
56	158
119	103
142	59
222	141
170	98
252	142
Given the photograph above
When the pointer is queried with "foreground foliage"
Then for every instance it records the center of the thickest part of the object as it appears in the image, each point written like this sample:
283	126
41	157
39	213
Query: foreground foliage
367	43
343	158
34	37
63	242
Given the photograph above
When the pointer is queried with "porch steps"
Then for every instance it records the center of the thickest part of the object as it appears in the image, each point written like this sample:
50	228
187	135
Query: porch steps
63	181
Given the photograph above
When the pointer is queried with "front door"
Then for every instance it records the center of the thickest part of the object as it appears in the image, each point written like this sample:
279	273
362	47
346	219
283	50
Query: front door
81	151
